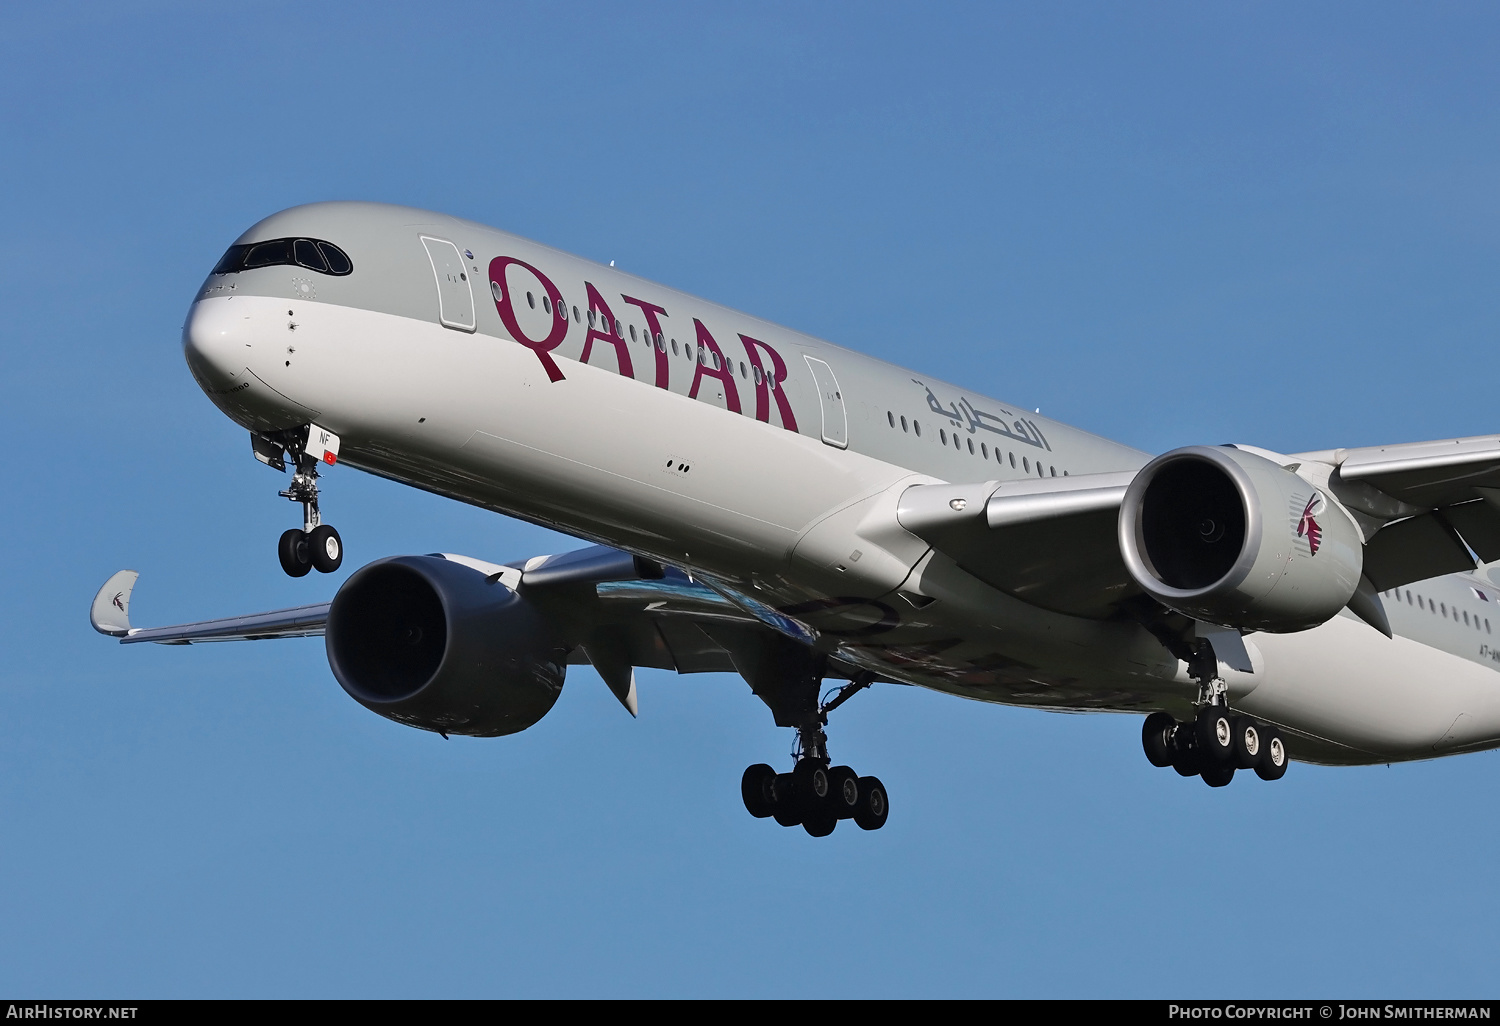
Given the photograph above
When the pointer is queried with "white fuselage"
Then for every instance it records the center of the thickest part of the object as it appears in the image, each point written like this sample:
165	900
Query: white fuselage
688	452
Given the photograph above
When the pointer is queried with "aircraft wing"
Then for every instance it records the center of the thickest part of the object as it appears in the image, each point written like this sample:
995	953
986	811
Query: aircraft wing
1423	475
1051	542
110	614
1426	509
624	611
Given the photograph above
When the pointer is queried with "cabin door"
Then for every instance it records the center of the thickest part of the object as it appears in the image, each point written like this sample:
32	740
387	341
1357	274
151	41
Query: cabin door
455	292
835	420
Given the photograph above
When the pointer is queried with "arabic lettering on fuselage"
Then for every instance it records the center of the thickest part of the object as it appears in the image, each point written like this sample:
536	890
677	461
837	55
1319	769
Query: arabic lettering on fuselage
965	414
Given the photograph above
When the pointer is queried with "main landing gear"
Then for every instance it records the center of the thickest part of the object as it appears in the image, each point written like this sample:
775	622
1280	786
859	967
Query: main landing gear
1213	745
316	546
814	794
1216	742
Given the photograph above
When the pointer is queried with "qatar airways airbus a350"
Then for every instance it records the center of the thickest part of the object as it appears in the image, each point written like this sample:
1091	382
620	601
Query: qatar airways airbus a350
768	503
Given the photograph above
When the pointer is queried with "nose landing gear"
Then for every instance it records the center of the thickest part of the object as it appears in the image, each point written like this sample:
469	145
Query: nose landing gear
316	545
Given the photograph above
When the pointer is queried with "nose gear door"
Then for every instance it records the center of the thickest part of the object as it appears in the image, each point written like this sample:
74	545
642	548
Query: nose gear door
835	420
455	292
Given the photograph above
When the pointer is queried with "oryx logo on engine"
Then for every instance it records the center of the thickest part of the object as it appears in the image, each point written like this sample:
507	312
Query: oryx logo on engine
1307	526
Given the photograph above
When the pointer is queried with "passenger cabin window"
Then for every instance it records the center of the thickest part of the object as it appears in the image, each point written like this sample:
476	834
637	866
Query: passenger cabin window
313	254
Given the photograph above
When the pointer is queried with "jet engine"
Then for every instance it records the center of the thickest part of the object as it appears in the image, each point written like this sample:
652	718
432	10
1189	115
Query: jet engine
435	644
1232	538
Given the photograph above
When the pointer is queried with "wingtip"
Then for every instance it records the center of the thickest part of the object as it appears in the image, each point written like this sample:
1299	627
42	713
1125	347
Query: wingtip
110	612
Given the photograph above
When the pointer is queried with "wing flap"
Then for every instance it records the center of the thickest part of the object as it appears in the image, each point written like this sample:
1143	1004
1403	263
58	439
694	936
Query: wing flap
1424	474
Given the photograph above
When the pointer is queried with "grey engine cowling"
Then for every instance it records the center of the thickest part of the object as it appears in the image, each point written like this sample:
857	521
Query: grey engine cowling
434	644
1232	538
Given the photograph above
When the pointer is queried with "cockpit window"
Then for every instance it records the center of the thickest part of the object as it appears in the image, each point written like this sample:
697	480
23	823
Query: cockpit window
267	253
313	254
338	263
306	253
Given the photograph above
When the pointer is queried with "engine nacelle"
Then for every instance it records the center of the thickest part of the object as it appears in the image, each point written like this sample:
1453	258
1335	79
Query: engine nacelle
435	644
1232	538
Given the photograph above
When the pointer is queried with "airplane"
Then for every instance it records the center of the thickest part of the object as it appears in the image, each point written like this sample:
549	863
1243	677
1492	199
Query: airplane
760	501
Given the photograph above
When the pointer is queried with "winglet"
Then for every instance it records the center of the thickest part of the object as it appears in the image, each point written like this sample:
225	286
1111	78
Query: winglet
110	613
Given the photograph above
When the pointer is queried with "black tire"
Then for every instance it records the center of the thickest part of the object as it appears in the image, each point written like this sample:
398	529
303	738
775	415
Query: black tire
1185	752
326	549
874	805
293	552
1156	738
1213	730
813	787
757	789
1218	775
820	825
786	810
1273	755
1186	764
843	792
1247	743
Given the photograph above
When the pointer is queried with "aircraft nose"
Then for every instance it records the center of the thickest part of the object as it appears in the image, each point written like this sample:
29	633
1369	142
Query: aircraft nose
216	344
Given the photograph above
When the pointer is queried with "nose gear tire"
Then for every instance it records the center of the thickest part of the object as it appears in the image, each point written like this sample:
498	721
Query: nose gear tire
326	549
294	553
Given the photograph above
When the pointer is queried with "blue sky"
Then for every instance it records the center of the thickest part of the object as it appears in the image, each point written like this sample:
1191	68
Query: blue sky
1167	223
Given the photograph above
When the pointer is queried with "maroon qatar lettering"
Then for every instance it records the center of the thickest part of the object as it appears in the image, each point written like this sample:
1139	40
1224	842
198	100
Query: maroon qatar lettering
769	383
610	334
499	289
718	367
652	313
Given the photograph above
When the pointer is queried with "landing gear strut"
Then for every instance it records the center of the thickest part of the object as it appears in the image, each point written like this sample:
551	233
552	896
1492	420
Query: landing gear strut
316	546
814	794
1215	742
